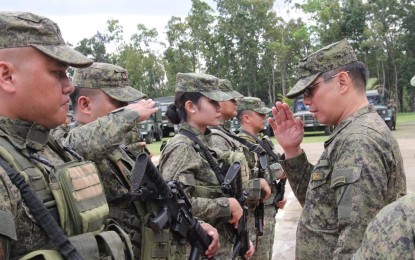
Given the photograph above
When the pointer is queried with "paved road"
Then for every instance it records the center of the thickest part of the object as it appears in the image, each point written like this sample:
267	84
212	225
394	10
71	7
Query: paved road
286	226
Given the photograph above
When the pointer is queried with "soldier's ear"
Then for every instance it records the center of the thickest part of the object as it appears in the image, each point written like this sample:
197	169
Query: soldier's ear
189	107
6	77
84	104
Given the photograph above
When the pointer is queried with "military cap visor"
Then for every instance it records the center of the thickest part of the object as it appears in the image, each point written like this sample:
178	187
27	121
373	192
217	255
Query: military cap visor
217	95
302	84
234	94
124	94
262	110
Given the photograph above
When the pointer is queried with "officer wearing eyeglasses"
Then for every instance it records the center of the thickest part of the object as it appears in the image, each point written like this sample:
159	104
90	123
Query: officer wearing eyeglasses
360	170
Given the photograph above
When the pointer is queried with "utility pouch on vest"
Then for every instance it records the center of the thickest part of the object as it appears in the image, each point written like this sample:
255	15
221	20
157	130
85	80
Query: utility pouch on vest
161	245
80	198
105	245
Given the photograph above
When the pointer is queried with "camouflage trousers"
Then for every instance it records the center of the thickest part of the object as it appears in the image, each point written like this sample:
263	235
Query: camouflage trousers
266	241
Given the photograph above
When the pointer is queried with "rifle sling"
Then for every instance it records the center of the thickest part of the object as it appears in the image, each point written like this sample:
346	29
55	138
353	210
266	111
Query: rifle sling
41	214
212	162
267	148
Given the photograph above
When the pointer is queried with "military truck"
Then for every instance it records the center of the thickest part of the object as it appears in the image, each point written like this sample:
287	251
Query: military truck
378	102
152	128
310	123
167	127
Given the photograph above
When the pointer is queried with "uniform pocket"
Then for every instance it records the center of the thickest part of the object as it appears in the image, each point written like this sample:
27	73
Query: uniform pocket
341	182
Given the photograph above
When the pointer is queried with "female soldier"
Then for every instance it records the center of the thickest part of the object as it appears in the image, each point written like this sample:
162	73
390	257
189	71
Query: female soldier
196	107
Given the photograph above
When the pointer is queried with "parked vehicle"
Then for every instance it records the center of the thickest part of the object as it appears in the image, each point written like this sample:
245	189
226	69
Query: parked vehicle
378	102
152	127
167	127
310	123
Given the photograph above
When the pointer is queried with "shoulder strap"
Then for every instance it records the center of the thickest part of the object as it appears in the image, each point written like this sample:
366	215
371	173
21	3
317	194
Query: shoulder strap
265	146
41	214
212	162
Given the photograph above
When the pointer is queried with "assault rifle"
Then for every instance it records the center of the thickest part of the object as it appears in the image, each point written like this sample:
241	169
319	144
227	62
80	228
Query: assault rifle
176	209
279	194
234	188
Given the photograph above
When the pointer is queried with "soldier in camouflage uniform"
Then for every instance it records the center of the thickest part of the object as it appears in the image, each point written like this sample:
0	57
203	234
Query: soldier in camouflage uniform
104	120
196	107
391	234
252	115
360	170
34	90
222	140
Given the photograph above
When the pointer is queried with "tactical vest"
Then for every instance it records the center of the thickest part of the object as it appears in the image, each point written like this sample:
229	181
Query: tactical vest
134	218
75	197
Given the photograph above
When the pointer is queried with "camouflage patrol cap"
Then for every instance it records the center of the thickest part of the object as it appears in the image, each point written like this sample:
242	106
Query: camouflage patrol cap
205	84
110	78
226	86
253	103
22	29
326	59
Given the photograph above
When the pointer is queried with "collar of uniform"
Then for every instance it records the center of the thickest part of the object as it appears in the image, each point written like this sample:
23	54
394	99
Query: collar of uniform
363	111
227	126
246	136
194	130
24	134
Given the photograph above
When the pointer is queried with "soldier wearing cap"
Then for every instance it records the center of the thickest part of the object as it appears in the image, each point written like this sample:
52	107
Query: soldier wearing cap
252	114
360	170
196	107
392	106
104	120
34	90
224	140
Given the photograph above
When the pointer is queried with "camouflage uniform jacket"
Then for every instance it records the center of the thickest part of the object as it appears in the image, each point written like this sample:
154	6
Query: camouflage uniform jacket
182	160
391	234
253	159
25	136
359	172
99	142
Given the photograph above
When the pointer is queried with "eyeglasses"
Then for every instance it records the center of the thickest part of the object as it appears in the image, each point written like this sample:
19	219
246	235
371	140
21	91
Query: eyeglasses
308	92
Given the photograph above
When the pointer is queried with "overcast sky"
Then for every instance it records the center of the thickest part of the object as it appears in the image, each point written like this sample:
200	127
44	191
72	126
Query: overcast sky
80	19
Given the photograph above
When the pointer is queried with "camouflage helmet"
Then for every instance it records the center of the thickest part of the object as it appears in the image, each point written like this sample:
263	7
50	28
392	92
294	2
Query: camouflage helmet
326	59
22	29
253	103
226	86
205	84
110	78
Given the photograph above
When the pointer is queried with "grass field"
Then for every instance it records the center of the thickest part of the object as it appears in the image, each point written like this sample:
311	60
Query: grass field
309	137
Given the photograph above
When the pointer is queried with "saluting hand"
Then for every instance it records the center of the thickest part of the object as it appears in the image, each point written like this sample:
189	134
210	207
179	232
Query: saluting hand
145	107
288	131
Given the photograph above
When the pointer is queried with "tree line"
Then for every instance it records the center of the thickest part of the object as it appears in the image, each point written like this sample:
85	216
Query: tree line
252	45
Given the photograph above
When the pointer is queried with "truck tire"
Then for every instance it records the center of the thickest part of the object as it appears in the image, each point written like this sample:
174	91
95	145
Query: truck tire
158	135
149	138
